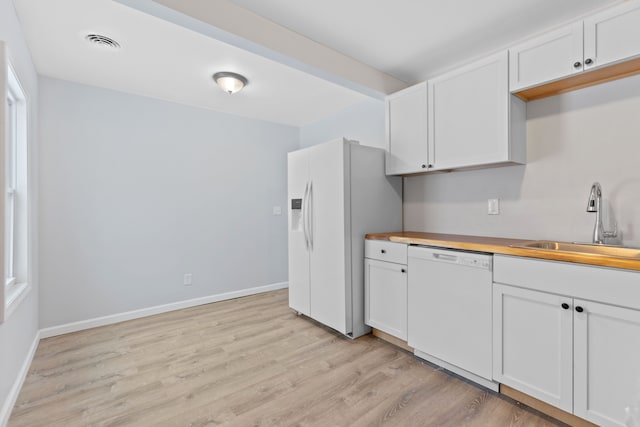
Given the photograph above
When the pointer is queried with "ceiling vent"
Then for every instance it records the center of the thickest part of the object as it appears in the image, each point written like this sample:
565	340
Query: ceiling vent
103	41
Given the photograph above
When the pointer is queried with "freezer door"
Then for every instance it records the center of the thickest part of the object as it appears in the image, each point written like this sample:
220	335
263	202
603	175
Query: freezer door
298	184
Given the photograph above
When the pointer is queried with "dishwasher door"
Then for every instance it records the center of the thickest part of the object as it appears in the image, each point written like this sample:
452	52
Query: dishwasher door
449	307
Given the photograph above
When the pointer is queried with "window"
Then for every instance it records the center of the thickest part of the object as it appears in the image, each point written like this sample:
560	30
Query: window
15	202
11	145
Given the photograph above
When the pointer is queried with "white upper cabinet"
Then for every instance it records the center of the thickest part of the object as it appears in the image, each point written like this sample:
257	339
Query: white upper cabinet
601	39
406	131
613	35
473	119
464	118
467	117
552	56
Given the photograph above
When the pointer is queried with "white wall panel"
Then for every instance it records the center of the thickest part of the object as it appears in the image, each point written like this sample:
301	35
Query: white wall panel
18	332
137	192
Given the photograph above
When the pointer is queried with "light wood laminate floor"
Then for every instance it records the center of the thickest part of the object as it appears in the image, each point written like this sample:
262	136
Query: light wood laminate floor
245	362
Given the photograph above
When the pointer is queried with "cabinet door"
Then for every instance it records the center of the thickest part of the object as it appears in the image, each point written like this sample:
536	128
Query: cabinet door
406	116
386	297
607	362
298	181
612	35
549	57
469	114
532	344
328	287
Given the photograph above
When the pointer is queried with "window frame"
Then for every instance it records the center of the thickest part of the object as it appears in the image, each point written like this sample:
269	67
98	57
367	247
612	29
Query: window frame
14	156
11	145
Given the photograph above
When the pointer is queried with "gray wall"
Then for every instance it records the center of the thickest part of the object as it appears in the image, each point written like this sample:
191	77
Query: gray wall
572	140
136	192
18	332
363	122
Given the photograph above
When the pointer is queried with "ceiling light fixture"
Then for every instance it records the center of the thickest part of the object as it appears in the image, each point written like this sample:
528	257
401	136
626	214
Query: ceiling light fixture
230	82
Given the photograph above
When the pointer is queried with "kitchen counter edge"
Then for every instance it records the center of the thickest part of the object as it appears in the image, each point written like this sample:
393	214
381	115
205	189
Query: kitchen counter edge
499	245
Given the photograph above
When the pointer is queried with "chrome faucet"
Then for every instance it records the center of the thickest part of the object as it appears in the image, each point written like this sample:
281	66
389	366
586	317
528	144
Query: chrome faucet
595	205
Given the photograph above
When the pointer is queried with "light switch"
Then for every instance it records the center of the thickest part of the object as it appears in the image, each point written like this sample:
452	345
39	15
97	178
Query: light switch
493	206
277	210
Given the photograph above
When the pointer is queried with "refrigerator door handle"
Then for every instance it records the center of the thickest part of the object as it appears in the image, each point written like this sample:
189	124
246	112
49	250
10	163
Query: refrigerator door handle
304	216
310	213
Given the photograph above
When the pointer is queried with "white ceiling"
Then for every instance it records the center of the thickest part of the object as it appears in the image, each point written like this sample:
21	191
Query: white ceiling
413	39
407	39
165	61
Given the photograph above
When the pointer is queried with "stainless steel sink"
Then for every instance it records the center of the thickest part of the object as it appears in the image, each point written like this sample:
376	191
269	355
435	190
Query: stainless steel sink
584	248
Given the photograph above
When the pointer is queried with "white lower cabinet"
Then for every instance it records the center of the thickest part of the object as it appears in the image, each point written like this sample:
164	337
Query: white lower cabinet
386	297
533	348
553	341
386	287
606	362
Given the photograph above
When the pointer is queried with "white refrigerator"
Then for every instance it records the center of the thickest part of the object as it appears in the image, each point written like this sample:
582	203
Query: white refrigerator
338	192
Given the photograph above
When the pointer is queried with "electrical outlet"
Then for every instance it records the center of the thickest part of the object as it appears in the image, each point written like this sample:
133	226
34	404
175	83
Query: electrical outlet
493	206
188	279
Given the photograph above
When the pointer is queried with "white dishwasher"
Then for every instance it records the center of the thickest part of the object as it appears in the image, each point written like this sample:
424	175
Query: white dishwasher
449	310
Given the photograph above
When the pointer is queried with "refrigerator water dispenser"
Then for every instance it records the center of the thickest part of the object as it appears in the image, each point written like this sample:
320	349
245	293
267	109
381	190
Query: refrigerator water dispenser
296	214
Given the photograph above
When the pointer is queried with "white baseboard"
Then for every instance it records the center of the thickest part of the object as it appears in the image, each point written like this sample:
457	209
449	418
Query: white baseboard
150	311
11	399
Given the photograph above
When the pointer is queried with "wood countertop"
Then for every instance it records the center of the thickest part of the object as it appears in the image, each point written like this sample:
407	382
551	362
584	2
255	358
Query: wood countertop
498	245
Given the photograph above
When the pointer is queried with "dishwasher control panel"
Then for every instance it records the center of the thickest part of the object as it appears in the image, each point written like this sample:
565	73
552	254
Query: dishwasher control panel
483	261
474	262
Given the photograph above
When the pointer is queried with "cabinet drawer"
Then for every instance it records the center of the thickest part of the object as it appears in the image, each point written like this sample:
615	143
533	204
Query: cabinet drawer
384	250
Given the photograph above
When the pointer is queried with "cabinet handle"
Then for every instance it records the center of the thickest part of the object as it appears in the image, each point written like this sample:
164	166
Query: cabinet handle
588	61
565	306
423	166
382	251
403	271
579	309
430	166
577	64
